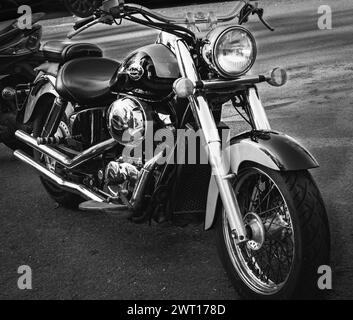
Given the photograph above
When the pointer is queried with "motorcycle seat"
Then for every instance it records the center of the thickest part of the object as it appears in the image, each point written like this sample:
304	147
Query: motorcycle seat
61	52
86	80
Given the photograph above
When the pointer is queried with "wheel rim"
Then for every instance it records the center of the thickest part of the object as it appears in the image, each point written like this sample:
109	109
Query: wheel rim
266	269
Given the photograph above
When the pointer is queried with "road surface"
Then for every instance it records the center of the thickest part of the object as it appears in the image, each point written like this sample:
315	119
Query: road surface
75	255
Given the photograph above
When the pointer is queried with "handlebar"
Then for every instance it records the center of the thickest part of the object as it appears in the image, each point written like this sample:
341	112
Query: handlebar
83	22
168	19
82	25
117	9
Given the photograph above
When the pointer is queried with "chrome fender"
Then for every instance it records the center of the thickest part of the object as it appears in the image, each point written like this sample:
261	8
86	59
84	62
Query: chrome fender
271	149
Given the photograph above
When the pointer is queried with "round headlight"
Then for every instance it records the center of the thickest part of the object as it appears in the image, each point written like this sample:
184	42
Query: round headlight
230	51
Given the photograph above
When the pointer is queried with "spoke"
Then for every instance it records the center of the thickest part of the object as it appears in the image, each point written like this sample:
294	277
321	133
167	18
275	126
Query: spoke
264	198
269	267
254	197
269	210
279	264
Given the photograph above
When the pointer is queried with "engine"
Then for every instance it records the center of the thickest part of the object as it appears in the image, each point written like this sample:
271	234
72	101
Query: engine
126	121
133	124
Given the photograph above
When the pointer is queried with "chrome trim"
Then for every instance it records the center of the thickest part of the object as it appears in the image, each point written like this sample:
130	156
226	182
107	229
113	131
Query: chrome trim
209	85
51	79
212	40
69	186
235	12
257	111
48	87
218	162
146	171
236	254
61	158
186	64
211	207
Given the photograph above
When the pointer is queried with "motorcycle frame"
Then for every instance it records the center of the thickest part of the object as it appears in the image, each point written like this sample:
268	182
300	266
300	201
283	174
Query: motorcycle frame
224	164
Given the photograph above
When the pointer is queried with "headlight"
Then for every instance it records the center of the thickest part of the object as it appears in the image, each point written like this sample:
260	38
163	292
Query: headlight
230	51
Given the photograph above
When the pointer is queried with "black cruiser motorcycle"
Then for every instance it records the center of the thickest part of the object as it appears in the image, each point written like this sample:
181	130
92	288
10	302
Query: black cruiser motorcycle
93	119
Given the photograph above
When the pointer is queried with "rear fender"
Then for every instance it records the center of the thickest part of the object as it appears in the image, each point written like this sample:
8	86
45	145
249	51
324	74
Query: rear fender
271	149
44	88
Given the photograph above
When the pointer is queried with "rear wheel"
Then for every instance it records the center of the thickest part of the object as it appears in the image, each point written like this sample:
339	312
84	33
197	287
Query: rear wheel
62	197
290	235
8	127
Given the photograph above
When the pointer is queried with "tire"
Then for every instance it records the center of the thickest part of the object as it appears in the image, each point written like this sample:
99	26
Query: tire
62	197
8	127
299	233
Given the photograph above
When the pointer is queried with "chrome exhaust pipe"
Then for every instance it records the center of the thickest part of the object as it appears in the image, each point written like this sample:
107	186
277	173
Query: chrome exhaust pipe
139	191
69	186
63	159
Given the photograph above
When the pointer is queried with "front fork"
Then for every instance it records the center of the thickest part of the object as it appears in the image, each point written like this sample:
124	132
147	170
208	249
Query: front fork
220	168
219	165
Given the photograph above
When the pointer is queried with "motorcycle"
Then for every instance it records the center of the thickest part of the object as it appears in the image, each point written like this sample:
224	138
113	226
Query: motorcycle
18	60
23	59
107	137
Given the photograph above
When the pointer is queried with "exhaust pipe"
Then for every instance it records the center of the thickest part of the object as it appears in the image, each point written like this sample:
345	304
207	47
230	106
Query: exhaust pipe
69	186
63	159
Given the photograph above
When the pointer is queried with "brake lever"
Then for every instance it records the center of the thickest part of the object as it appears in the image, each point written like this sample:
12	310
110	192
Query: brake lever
106	19
260	13
76	32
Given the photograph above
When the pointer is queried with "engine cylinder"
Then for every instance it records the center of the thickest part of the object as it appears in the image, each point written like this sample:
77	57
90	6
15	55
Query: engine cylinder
126	121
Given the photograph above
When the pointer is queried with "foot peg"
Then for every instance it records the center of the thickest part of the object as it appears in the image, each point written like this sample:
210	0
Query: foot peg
104	207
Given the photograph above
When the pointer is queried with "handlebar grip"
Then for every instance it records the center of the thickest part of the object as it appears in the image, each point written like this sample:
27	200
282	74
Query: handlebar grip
83	22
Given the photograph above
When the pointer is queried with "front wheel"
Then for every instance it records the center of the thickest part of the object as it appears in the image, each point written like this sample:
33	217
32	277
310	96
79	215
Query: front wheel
286	217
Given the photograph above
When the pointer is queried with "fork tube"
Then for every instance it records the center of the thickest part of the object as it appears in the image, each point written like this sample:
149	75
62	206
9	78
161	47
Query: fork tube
258	113
219	167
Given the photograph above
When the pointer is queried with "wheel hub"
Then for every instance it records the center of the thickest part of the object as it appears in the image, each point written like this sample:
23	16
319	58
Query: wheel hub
257	231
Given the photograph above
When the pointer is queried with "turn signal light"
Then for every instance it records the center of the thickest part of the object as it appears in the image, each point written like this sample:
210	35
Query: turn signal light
183	87
278	77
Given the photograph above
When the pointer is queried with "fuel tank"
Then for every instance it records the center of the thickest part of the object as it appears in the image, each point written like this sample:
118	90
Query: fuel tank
151	70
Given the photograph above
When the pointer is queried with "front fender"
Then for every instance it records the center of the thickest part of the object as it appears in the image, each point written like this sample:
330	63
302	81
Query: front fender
271	149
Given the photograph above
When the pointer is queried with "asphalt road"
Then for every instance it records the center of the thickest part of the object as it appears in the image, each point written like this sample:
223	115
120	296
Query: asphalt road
76	255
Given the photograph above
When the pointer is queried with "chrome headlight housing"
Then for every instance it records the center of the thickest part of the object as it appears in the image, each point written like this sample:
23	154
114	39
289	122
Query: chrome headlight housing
230	51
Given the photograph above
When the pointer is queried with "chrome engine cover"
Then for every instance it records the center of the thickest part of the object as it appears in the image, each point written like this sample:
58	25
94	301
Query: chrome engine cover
126	121
121	178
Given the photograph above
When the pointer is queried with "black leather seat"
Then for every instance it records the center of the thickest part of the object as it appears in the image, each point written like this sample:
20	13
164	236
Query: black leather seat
86	80
61	52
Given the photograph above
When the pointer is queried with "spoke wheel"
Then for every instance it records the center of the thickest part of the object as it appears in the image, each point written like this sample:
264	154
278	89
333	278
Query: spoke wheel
266	263
289	235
